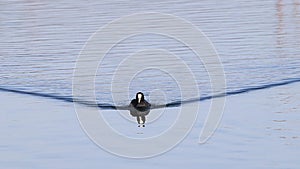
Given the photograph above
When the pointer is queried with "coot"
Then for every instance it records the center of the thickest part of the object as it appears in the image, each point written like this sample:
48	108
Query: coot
139	103
139	108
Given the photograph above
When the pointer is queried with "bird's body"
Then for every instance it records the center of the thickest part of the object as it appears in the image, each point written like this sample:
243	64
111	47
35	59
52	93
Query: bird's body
139	108
139	103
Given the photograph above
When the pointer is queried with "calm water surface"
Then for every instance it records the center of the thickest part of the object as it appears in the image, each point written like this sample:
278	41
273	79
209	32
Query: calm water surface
258	43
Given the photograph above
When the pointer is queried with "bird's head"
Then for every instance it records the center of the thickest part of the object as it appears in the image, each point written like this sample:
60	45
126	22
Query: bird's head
140	97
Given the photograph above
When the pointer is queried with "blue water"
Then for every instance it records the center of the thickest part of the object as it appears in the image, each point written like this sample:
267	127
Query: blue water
258	43
259	46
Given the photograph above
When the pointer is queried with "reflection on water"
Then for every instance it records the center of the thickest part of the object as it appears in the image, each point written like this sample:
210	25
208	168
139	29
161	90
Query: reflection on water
140	116
258	43
288	26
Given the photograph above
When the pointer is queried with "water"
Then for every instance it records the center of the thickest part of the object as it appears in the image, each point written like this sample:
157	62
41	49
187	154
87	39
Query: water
258	130
258	43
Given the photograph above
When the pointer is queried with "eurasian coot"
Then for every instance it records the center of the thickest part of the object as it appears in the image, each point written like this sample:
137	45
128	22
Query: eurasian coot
139	108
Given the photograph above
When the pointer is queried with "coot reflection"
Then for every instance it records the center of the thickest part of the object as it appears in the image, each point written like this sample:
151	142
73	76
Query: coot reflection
140	108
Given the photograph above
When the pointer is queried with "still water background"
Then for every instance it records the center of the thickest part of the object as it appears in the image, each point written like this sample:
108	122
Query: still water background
258	43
